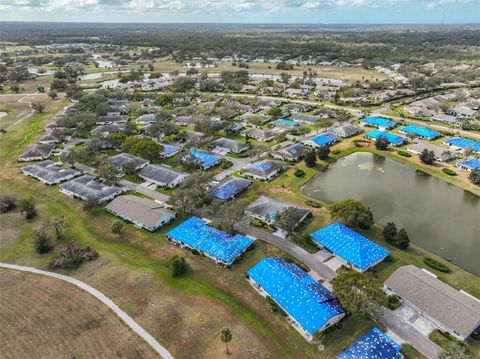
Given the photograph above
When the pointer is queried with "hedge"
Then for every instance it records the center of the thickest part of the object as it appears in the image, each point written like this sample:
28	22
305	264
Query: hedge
432	262
449	172
404	153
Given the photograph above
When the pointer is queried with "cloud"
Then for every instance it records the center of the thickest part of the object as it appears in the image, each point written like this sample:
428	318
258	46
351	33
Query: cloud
211	6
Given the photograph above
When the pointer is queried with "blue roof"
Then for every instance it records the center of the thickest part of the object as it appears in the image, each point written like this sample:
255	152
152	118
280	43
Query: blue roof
325	139
294	149
228	189
204	159
168	149
471	163
379	122
391	137
304	299
260	165
288	122
420	131
196	234
373	345
463	143
349	245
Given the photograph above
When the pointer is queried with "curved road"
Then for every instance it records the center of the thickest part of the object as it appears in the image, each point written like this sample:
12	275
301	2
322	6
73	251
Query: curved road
100	296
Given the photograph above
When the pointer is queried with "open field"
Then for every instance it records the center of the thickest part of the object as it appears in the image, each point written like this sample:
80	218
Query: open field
17	106
77	325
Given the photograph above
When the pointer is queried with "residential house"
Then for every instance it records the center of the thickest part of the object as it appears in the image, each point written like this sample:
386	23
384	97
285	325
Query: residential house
49	172
226	145
267	209
441	154
87	187
162	175
260	134
37	152
127	162
292	153
263	170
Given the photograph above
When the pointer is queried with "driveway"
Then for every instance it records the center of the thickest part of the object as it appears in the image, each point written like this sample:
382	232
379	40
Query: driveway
237	164
160	197
104	299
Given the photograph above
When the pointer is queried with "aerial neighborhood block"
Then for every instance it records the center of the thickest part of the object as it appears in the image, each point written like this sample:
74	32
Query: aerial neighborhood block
162	175
49	172
142	212
196	234
447	308
229	188
263	170
86	187
310	307
353	249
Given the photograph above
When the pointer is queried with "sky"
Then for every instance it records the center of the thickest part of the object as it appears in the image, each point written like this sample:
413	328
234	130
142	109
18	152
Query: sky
245	11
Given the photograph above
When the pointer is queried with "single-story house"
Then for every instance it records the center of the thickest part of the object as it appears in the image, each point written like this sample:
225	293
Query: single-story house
86	187
162	175
285	124
309	306
37	152
49	173
230	188
196	234
441	154
449	309
302	117
291	153
260	134
191	136
263	170
462	111
111	120
392	138
451	120
228	145
419	131
124	161
379	122
53	136
142	212
347	130
146	119
107	130
169	150
469	165
203	159
324	139
353	249
461	143
266	209
374	344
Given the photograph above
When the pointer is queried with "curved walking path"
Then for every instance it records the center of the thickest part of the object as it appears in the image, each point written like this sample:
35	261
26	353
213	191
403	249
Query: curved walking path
104	299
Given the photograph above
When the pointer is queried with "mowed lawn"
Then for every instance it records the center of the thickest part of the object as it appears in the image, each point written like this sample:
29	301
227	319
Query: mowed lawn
42	317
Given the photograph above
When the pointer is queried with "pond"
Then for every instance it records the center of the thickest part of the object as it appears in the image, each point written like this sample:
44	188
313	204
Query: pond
438	216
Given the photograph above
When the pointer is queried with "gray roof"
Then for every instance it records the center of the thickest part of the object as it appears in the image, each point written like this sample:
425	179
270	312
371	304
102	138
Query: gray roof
108	129
149	117
38	150
440	152
161	173
49	136
48	171
112	119
268	207
143	210
123	159
232	145
292	152
259	133
301	117
440	301
192	135
346	130
87	187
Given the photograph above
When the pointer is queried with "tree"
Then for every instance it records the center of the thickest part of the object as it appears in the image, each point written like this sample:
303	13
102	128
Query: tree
117	227
226	337
164	99
288	219
41	89
310	158
142	147
111	174
15	88
275	112
381	143
389	232
259	150
183	84
427	157
7	203
359	293
57	225
227	215
53	95
353	213
41	241
192	194
90	202
39	107
401	239
27	206
474	177
68	157
323	152
177	265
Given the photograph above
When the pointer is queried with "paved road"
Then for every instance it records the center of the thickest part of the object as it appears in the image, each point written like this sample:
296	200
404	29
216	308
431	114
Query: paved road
409	334
104	299
145	191
237	164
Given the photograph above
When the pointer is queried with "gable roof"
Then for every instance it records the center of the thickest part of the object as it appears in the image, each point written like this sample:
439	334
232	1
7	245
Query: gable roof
304	299
259	133
161	173
231	145
349	245
263	167
269	208
346	130
324	139
48	171
123	159
452	308
87	187
373	345
38	150
230	187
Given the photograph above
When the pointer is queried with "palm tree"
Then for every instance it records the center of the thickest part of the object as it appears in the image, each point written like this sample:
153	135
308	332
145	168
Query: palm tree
226	337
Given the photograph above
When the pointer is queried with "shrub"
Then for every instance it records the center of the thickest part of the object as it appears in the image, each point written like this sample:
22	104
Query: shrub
7	203
449	172
41	241
273	306
299	173
72	256
177	266
27	206
404	153
432	262
117	227
335	152
393	302
313	204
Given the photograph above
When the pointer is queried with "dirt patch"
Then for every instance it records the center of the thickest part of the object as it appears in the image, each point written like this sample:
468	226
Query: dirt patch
280	190
43	317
